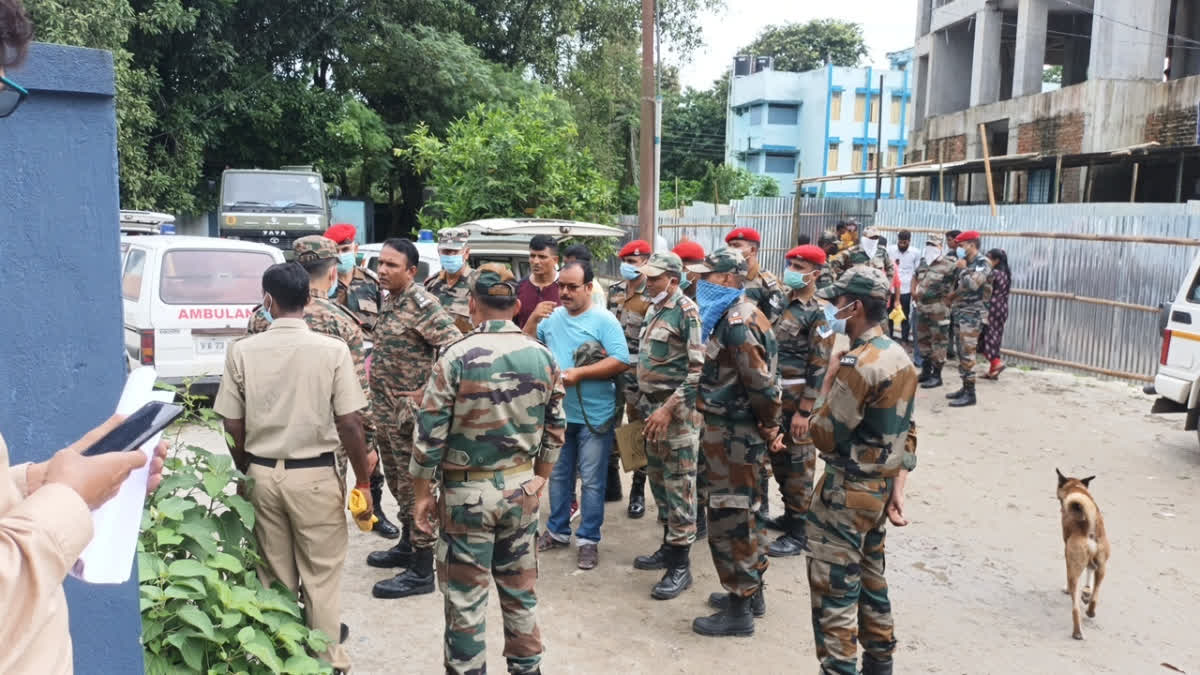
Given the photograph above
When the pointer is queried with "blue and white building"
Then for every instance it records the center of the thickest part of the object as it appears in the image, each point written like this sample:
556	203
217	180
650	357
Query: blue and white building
820	123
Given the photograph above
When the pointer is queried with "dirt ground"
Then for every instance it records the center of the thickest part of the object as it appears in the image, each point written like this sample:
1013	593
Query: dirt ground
976	579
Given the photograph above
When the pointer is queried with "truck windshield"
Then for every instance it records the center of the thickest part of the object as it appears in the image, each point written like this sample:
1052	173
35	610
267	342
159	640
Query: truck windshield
260	191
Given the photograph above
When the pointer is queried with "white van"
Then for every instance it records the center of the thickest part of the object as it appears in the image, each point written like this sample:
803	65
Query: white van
186	299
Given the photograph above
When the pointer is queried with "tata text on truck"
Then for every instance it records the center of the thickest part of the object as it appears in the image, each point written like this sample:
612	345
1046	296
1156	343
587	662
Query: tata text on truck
273	207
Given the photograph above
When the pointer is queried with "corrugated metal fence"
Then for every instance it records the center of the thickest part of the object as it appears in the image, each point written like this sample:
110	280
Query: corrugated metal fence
1087	278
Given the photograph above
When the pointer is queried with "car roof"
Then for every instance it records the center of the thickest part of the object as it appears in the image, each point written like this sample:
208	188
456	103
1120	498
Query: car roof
529	227
169	241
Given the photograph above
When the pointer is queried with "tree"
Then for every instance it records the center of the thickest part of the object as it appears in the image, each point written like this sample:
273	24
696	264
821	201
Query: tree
1052	74
510	160
693	134
800	47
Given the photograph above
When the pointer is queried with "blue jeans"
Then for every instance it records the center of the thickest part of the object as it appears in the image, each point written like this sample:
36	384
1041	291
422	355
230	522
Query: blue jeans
586	453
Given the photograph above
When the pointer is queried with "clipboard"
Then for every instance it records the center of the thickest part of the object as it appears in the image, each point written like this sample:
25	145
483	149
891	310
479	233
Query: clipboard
632	446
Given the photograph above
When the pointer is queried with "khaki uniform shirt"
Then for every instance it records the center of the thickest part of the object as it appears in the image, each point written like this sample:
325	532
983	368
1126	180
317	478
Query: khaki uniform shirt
282	382
41	537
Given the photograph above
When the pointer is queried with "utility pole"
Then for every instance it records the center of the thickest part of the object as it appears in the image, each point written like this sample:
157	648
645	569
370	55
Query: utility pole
879	149
647	209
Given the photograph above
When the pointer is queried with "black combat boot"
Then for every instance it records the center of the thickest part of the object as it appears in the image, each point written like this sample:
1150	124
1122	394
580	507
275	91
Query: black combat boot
612	488
935	377
792	542
416	580
637	495
873	667
926	372
679	574
959	392
383	527
779	523
967	398
400	555
764	486
758	602
735	619
656	560
701	522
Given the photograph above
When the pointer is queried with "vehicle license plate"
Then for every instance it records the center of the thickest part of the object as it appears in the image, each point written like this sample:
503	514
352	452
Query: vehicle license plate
210	346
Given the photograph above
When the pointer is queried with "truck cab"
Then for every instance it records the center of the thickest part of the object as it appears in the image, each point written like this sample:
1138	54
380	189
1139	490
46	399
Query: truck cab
273	207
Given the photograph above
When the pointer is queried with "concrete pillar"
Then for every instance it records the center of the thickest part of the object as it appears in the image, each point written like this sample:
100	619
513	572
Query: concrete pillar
949	82
985	64
1122	52
1031	47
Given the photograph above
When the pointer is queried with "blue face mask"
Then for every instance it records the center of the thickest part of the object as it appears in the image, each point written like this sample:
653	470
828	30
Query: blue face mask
451	263
794	279
960	252
345	262
333	291
629	272
684	283
267	315
835	324
713	300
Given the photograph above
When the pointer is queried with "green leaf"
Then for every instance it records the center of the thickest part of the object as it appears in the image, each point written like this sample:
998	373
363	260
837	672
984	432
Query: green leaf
150	567
302	664
193	654
188	568
173	508
271	599
165	536
244	509
198	619
176	482
202	532
318	641
151	629
224	561
215	483
259	645
230	620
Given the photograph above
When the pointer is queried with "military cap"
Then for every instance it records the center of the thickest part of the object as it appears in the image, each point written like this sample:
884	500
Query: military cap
723	259
635	247
871	232
314	247
494	279
661	263
813	254
689	251
342	233
453	238
745	234
935	240
828	235
860	281
969	235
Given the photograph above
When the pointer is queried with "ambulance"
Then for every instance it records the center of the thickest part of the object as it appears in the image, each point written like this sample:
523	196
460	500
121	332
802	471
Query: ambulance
185	299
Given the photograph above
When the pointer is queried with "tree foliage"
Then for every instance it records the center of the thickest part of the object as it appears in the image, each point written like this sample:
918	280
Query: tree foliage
800	47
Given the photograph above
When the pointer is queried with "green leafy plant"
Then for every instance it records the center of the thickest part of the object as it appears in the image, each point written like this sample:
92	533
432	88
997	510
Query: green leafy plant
203	606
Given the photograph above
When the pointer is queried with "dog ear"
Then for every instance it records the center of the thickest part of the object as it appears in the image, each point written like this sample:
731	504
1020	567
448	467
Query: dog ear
1062	480
1087	480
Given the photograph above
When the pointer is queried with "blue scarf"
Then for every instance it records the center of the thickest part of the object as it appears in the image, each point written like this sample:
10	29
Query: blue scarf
713	300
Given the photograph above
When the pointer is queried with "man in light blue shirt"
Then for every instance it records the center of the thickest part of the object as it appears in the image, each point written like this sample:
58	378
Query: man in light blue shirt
590	425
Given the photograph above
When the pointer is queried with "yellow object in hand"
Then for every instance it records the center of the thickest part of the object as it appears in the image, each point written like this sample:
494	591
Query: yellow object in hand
358	507
897	316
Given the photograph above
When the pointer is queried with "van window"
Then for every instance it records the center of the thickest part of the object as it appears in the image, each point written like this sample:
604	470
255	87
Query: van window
1193	295
131	278
213	277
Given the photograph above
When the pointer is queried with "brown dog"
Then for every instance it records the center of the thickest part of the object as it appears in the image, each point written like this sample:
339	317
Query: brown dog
1086	544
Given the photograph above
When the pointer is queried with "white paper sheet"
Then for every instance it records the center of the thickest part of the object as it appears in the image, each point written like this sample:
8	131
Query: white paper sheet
108	559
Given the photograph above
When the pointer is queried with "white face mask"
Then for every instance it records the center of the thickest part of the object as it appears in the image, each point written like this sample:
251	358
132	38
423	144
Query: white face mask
932	253
869	246
660	297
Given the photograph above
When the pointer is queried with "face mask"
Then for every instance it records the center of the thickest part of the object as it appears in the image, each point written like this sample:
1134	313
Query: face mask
835	324
345	262
267	314
794	279
869	246
451	263
333	291
931	253
358	258
713	300
660	297
629	272
960	252
684	283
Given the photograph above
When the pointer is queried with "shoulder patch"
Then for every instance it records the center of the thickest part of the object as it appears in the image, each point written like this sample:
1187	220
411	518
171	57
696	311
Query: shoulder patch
736	318
368	273
345	311
849	360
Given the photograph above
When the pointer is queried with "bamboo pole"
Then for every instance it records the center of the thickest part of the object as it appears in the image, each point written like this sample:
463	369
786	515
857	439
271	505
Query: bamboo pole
1085	299
1179	180
942	171
1137	167
1080	366
1057	179
1091	181
987	167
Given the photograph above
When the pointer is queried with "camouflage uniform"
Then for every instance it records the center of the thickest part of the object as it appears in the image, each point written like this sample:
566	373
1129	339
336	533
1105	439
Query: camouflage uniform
492	406
361	297
855	255
670	358
764	290
453	296
865	434
970	307
739	391
412	326
935	282
630	307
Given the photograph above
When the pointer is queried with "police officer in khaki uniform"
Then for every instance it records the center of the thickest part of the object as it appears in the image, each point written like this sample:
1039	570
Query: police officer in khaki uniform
288	397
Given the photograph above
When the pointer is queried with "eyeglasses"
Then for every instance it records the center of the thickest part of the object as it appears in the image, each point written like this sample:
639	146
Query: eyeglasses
570	287
11	95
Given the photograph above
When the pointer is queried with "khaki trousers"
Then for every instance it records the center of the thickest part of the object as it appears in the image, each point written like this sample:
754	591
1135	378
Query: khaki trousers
300	525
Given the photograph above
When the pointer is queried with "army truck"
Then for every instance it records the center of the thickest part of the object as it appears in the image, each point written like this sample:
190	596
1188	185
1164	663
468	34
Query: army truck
273	207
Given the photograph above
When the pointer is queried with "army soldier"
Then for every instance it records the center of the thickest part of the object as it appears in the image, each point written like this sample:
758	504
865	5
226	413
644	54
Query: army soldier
450	285
670	358
804	344
952	254
411	328
866	252
739	398
491	423
934	280
289	397
690	253
357	288
969	307
762	287
865	434
627	300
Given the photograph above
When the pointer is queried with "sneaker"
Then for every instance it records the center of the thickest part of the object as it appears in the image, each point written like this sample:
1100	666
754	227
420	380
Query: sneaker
574	509
547	542
589	555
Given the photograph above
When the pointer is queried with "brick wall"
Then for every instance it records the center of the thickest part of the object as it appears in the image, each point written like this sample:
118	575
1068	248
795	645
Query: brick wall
955	148
1171	126
1052	135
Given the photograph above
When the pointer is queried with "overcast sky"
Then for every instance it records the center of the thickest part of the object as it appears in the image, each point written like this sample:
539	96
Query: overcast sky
889	25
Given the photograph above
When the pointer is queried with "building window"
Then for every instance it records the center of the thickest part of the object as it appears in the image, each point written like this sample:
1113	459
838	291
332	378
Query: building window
875	106
833	156
896	104
781	164
756	115
856	160
131	278
783	114
860	107
935	192
893	157
1041	184
835	106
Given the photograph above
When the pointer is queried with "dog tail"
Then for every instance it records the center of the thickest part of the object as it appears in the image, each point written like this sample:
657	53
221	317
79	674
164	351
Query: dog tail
1083	509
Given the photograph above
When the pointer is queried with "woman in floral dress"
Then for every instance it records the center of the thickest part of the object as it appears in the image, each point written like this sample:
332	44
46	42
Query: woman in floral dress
993	334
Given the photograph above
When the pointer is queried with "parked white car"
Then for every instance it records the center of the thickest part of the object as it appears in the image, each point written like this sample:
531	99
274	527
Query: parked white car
1178	380
185	299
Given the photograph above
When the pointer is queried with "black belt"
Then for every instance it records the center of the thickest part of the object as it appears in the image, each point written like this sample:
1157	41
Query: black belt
310	463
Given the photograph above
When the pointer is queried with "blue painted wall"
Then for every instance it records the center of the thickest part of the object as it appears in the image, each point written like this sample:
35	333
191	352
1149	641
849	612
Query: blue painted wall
63	370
